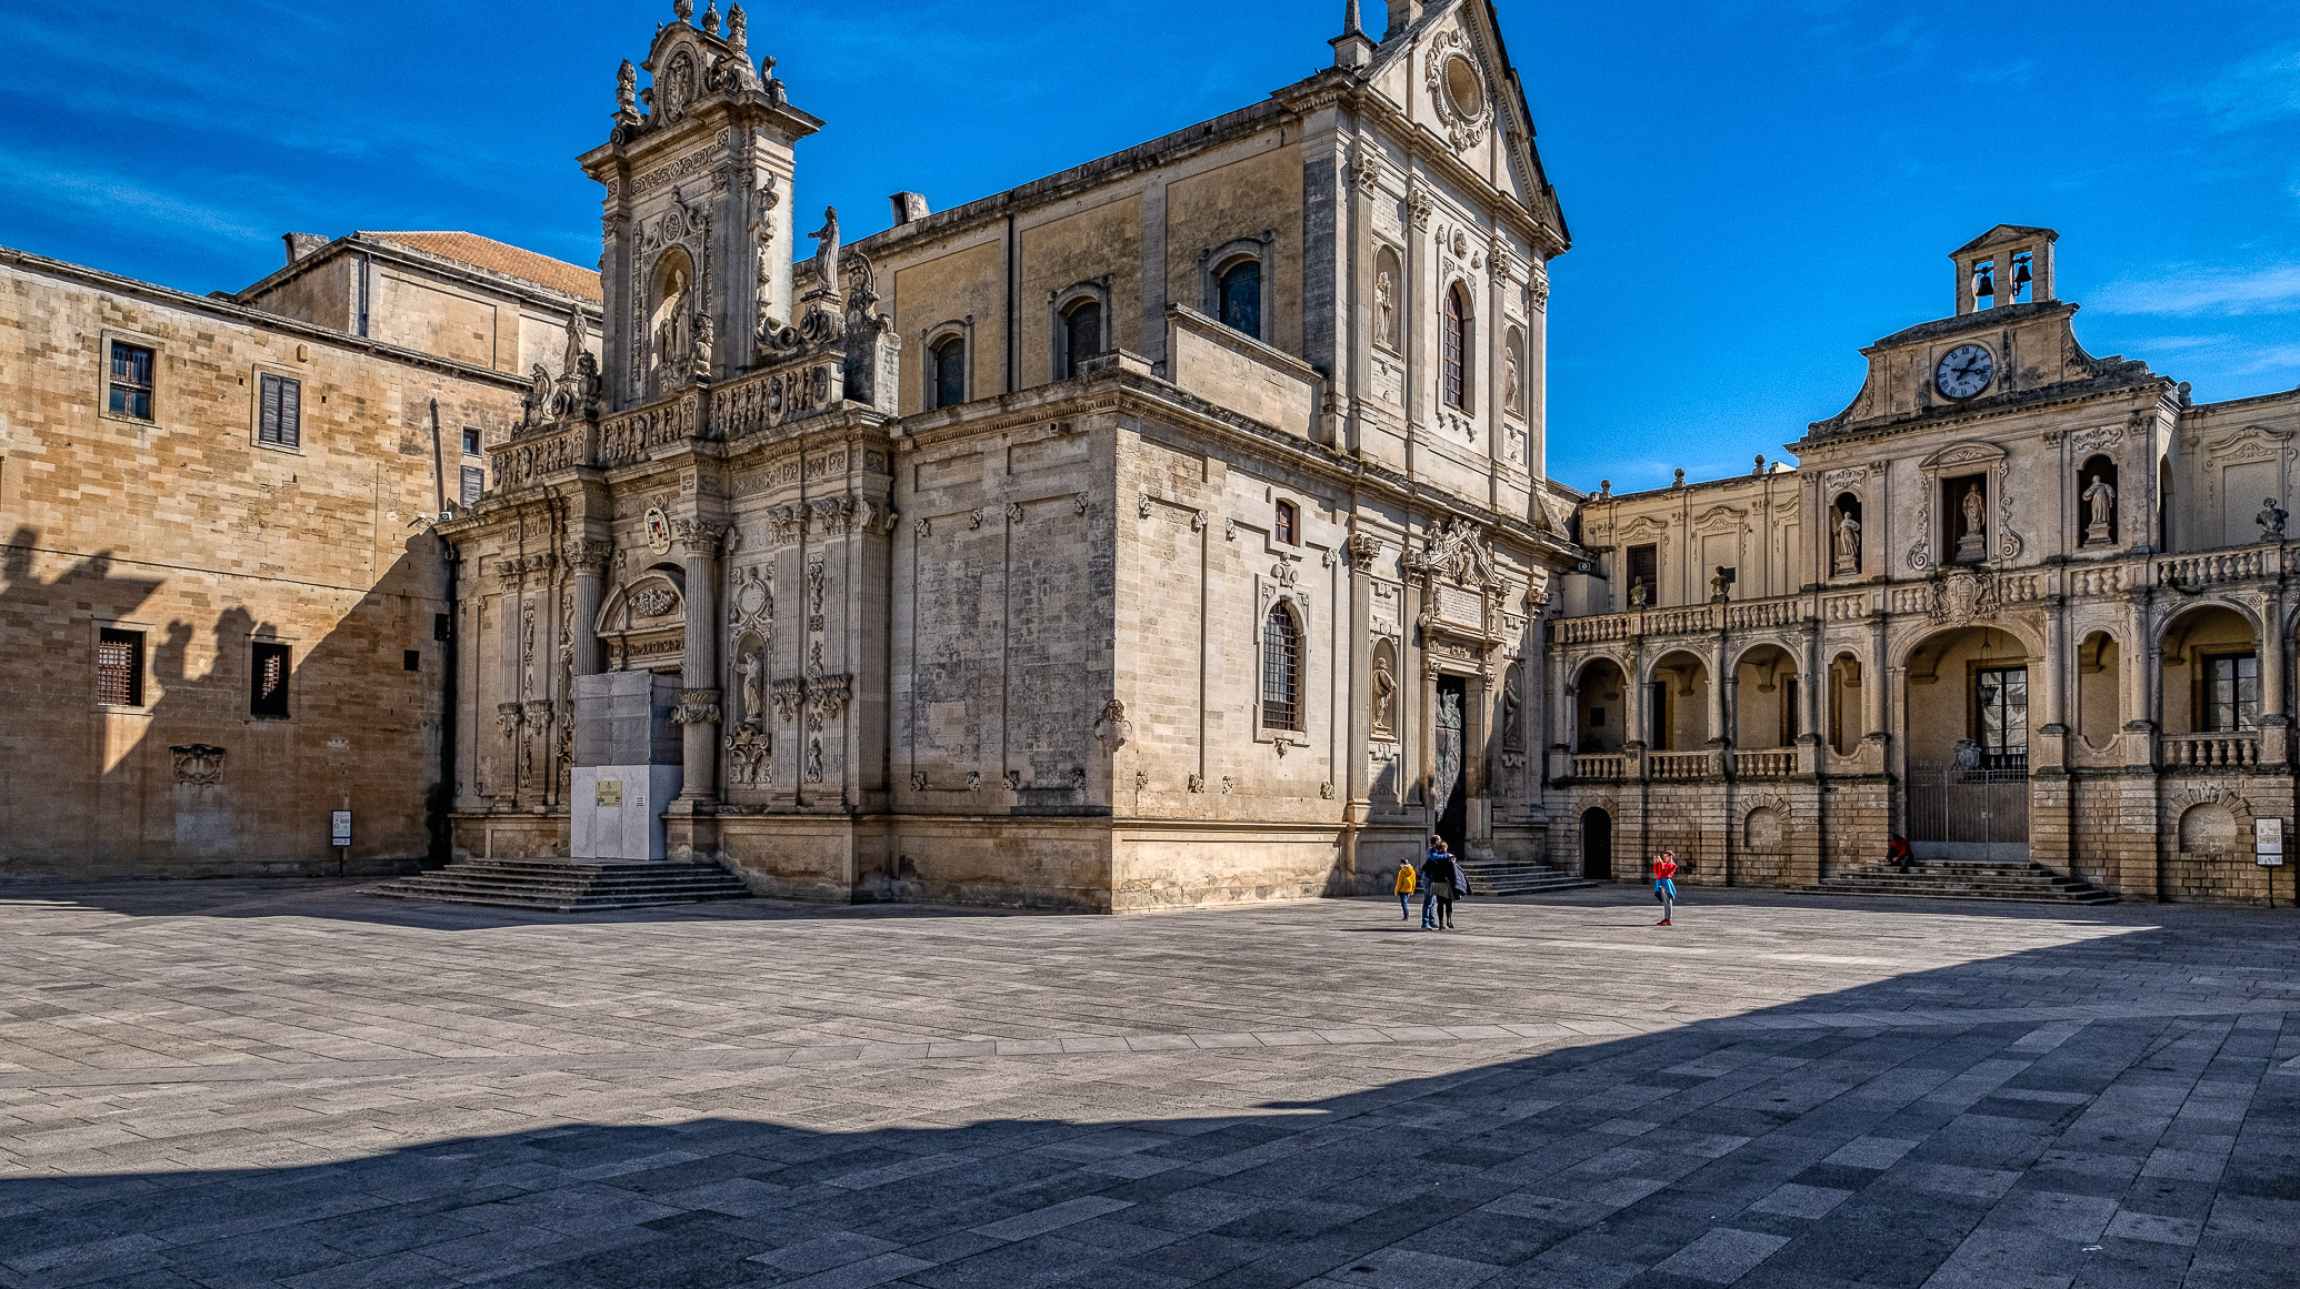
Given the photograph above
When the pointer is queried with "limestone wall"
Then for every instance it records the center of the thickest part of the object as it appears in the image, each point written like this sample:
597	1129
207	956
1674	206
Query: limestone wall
186	532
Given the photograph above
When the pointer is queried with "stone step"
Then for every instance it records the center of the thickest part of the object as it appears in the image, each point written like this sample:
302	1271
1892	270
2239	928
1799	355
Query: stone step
1493	877
566	886
2020	881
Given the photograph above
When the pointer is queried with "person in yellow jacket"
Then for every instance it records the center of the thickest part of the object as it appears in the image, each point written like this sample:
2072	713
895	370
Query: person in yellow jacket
1405	889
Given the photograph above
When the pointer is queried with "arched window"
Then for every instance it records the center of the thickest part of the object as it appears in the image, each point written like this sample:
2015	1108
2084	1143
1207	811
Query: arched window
1454	350
1239	292
1081	335
949	367
1289	524
1281	669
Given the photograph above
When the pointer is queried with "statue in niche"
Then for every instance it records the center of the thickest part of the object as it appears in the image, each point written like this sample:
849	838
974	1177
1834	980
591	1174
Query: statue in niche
1385	686
827	251
1512	698
673	321
1386	308
1511	387
753	669
1848	543
2271	520
1974	543
2099	509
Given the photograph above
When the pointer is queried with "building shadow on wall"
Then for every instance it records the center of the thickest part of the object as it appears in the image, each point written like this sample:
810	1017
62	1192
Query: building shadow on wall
1834	1140
194	779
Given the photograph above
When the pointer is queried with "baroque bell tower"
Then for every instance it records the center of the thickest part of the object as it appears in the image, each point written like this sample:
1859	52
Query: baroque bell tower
696	231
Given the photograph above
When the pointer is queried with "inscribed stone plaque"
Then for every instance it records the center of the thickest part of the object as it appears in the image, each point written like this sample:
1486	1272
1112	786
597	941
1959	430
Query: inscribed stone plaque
610	794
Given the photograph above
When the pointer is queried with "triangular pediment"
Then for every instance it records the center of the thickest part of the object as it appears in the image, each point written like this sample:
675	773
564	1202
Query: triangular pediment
1449	72
2004	233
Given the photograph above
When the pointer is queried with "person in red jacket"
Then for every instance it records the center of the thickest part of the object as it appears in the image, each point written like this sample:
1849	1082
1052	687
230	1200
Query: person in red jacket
1897	853
1665	884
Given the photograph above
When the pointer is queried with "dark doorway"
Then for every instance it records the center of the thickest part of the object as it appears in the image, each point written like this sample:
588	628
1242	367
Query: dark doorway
1449	790
1596	845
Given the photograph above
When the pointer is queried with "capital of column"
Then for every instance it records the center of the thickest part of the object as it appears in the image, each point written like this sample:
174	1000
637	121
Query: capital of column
587	556
698	536
697	707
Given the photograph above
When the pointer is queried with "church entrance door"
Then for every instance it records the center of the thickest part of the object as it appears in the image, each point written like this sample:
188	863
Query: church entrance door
1597	844
1449	787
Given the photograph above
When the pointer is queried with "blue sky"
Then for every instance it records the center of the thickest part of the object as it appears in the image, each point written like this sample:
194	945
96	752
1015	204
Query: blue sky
1755	189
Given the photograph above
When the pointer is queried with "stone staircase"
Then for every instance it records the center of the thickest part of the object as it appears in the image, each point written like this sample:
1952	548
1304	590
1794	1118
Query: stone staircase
1496	877
1967	879
567	885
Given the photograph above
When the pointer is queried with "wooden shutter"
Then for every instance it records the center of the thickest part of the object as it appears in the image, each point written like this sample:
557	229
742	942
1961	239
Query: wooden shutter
280	421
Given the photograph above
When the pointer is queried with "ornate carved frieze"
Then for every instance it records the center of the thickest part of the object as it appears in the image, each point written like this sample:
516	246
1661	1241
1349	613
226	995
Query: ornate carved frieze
586	555
748	754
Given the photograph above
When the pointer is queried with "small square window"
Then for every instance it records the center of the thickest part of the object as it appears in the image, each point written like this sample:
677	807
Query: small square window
474	484
280	423
471	440
268	695
120	668
130	386
411	660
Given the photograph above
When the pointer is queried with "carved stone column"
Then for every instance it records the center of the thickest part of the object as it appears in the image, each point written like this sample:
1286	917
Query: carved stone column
2275	725
699	701
588	559
2052	736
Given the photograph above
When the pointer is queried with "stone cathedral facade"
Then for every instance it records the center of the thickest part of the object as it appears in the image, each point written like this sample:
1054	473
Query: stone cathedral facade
1171	530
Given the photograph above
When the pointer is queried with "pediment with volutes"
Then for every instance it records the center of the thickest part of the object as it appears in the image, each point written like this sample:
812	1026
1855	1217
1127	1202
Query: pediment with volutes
642	625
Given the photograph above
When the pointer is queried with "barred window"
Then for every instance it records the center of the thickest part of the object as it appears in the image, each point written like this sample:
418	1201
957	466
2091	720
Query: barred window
120	668
1281	669
1289	524
1456	348
131	382
269	695
281	421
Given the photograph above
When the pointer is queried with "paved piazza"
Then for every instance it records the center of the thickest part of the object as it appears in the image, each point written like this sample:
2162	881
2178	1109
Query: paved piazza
241	1083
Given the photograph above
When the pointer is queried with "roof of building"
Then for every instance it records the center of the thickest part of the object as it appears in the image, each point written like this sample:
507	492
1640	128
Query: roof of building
501	257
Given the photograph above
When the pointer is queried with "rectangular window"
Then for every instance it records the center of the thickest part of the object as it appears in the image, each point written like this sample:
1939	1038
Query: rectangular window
131	381
2000	717
1644	571
281	420
2232	691
1657	716
474	483
120	668
268	695
471	440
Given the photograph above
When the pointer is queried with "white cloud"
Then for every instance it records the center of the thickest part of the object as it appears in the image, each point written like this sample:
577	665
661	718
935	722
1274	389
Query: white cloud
2190	292
116	202
2261	88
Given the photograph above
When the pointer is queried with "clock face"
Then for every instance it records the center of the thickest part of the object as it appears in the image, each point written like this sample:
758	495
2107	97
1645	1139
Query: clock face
1964	371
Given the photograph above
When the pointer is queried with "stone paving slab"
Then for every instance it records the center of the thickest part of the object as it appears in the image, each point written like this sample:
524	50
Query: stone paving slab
278	1084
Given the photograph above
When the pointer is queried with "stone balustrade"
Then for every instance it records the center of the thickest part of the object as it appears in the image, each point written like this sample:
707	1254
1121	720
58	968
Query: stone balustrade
1677	765
2225	749
1768	764
1608	767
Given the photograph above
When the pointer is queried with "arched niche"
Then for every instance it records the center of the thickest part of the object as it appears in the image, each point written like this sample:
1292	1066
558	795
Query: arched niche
642	626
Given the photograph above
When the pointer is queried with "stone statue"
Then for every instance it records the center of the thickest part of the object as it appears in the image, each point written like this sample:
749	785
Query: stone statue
1974	544
706	343
671	330
1386	308
537	400
1510	701
738	29
627	88
1385	685
1511	390
2099	509
1848	543
827	251
754	688
572	357
2271	520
